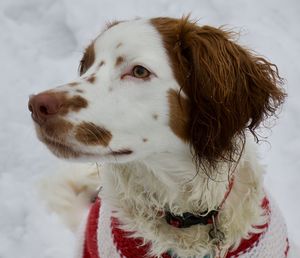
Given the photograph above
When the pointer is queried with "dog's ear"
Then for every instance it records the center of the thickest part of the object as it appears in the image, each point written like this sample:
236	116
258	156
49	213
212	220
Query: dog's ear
230	89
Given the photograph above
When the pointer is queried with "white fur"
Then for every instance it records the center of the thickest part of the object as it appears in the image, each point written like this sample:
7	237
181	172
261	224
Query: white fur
140	189
69	192
160	173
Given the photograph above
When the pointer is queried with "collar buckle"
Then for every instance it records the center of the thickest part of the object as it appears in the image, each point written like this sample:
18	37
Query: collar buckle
189	219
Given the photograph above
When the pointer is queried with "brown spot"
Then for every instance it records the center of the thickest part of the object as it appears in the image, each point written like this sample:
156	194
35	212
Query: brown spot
145	139
120	44
79	91
91	79
101	64
155	116
119	60
179	114
91	134
57	128
74	103
73	84
87	59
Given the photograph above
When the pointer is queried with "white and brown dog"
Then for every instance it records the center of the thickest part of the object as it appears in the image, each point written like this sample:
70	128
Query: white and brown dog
170	109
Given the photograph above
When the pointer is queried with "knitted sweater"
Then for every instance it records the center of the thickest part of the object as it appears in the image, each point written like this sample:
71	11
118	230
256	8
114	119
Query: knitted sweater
103	238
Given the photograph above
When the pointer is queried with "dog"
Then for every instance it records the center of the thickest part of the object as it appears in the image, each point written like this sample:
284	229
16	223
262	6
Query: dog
170	109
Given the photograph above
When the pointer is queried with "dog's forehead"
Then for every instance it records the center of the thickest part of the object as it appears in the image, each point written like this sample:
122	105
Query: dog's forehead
136	38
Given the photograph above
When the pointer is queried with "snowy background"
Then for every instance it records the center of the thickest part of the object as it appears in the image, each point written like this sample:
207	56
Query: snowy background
41	42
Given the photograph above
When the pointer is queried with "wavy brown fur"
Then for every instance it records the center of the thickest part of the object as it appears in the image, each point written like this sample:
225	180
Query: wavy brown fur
229	88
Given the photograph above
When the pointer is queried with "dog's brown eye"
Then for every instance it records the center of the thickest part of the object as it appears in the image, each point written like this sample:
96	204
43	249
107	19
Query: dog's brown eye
140	72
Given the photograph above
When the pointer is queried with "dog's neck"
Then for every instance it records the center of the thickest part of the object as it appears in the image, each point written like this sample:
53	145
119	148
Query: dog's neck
170	181
140	190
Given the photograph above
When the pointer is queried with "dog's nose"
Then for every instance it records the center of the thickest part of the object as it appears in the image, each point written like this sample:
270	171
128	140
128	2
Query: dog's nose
43	106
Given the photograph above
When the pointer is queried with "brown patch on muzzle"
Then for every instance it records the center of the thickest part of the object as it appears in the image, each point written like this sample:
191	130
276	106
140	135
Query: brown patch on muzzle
91	134
54	134
57	128
74	104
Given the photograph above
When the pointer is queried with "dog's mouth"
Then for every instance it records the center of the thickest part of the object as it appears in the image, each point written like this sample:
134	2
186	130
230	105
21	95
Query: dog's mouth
63	150
122	152
57	143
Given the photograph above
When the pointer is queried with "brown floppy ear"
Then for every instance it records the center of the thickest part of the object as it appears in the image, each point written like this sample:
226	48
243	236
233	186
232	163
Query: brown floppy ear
229	88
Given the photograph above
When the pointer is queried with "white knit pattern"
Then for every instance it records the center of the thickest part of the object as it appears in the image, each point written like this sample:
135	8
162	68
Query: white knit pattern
80	236
273	243
106	246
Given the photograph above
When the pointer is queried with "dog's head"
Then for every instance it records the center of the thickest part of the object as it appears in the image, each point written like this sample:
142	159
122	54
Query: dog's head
149	86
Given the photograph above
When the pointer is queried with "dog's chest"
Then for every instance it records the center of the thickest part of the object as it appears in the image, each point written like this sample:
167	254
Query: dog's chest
104	239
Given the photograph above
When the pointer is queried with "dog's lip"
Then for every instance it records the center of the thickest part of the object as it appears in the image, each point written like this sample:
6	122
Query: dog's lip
121	152
60	145
54	143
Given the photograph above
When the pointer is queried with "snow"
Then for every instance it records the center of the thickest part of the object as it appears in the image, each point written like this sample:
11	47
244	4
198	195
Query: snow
41	44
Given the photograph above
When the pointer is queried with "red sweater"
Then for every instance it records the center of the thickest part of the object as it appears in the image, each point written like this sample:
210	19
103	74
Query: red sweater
104	239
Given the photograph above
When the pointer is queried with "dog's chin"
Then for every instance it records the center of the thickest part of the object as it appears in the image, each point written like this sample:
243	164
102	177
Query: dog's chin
61	149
